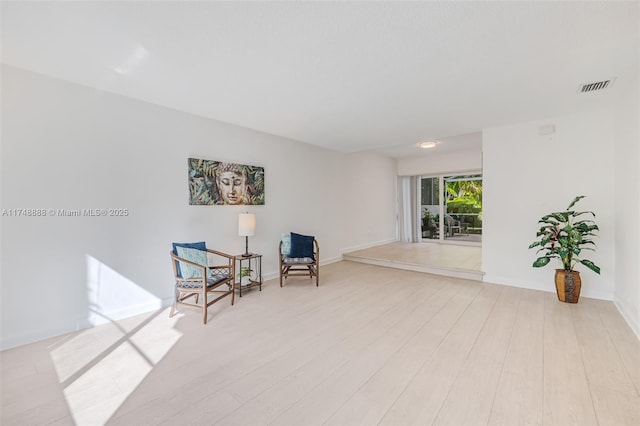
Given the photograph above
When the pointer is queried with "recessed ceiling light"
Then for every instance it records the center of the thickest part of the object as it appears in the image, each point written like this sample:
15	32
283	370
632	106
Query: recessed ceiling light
428	144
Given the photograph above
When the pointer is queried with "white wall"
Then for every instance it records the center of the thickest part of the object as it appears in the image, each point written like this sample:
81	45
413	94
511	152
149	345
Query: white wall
65	146
527	176
627	204
365	187
436	163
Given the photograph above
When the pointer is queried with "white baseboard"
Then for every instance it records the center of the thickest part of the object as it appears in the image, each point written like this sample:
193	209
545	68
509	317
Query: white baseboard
35	336
447	272
632	322
270	276
368	245
330	260
275	274
99	318
93	319
550	288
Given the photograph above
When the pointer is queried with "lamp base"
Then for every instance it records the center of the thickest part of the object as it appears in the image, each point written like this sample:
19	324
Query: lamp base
246	248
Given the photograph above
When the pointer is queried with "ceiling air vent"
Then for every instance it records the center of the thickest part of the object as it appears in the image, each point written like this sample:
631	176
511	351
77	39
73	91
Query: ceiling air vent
598	85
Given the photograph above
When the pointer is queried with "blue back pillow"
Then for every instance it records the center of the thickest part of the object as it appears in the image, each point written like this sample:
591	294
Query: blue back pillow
200	245
301	245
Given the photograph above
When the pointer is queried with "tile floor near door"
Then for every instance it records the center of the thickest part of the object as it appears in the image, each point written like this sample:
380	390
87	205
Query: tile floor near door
370	345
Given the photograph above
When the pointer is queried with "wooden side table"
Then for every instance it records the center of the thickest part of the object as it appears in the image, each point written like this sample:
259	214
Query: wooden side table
254	263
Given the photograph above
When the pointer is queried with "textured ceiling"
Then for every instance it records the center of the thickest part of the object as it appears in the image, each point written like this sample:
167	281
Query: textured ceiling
344	75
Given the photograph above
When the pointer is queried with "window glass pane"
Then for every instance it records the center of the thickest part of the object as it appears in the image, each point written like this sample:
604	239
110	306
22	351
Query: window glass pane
430	207
463	207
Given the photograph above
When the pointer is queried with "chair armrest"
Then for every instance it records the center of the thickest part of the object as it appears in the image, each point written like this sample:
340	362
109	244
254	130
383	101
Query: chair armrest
219	266
180	259
231	266
219	253
317	250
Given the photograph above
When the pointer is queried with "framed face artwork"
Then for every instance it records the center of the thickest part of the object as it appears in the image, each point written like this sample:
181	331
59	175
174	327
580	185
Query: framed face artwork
220	183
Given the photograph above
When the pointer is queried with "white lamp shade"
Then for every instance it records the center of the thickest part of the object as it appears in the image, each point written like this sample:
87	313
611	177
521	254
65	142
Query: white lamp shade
246	224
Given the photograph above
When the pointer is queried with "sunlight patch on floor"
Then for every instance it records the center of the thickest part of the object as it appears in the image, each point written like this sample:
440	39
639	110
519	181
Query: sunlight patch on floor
101	367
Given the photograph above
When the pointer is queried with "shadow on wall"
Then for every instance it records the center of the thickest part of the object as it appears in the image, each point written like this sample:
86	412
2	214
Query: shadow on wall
99	368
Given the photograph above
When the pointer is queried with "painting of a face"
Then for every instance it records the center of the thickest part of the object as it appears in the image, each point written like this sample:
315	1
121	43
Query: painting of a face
233	187
221	183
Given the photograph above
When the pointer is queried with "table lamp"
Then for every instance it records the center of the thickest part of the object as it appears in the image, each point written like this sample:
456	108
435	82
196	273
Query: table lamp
246	229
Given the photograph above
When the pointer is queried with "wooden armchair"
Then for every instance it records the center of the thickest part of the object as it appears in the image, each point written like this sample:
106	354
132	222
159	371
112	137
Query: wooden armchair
196	279
307	265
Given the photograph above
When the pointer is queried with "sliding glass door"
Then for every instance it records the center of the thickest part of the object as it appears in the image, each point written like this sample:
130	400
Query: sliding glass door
451	207
430	207
463	207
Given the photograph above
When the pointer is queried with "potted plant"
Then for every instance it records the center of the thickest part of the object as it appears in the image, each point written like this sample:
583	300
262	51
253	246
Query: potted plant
245	275
428	228
562	236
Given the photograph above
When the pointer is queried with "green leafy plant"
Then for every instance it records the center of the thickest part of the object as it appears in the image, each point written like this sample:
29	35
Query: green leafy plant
564	237
245	271
427	218
464	196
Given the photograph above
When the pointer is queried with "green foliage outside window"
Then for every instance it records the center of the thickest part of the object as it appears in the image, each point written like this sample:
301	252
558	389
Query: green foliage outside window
464	196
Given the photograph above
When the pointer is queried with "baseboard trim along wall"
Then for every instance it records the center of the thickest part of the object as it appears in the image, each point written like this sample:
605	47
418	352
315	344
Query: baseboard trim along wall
492	279
93	319
633	323
368	245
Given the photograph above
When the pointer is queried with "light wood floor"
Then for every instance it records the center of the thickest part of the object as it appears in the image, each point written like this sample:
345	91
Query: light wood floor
371	345
460	261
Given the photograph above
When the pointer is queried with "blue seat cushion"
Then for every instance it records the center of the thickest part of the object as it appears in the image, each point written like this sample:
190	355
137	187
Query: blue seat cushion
301	246
298	260
198	246
198	284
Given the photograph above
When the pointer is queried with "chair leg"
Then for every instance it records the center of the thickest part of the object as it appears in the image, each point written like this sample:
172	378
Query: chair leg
204	306
175	303
233	293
